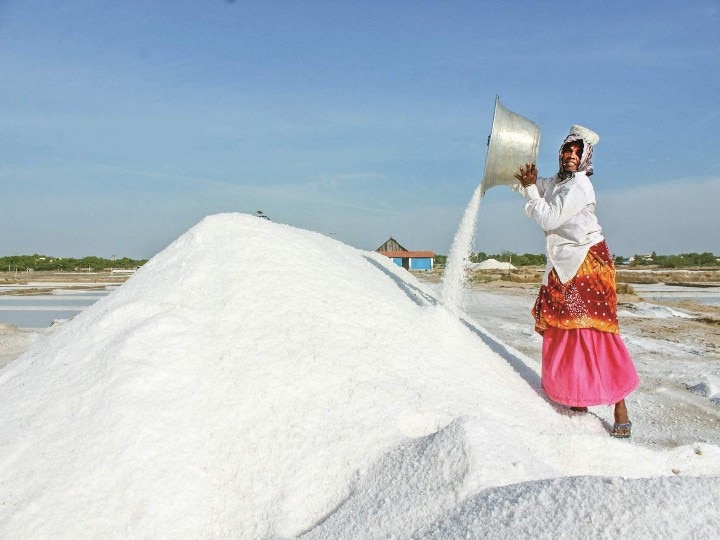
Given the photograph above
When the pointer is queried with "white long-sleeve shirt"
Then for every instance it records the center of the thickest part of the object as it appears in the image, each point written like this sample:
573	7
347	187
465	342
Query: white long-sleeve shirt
565	210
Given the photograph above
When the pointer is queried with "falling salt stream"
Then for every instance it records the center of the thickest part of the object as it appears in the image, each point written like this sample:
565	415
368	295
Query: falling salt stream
453	281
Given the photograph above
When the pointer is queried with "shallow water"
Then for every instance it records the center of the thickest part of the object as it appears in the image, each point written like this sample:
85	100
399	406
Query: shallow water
678	293
40	311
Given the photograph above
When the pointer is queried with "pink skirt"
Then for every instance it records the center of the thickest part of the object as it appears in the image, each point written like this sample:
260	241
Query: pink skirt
584	367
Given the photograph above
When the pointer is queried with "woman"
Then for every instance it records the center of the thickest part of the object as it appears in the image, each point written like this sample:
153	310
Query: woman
584	360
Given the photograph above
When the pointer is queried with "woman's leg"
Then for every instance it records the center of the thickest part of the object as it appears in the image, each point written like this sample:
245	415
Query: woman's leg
621	413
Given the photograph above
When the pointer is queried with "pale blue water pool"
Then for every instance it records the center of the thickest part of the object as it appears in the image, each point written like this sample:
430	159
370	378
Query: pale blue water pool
39	311
677	293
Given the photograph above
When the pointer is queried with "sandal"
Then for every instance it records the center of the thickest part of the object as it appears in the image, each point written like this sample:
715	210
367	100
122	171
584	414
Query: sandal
621	431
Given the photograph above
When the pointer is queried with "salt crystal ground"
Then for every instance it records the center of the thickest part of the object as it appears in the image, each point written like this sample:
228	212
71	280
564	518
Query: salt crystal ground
254	380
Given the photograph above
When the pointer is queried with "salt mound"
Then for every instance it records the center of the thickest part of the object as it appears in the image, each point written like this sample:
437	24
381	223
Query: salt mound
492	264
550	509
256	380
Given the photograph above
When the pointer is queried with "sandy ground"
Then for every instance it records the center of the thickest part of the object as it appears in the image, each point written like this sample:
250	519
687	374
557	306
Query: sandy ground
45	282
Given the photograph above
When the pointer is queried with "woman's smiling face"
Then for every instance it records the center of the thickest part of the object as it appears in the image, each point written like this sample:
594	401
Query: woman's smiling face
570	156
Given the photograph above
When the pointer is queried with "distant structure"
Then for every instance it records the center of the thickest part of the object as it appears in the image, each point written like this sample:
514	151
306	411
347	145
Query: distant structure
260	214
409	260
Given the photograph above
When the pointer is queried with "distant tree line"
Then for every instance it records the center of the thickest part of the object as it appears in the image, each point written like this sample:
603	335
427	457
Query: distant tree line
664	261
674	261
524	259
517	259
65	264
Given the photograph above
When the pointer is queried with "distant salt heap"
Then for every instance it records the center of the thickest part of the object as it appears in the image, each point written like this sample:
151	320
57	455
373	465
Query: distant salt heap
254	380
492	264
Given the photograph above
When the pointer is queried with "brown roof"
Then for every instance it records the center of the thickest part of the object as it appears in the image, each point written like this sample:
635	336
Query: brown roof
391	245
407	254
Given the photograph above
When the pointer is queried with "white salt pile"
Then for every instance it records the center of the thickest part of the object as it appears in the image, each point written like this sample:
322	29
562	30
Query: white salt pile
492	264
254	380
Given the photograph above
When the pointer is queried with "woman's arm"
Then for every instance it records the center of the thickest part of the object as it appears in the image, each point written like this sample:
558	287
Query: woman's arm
567	202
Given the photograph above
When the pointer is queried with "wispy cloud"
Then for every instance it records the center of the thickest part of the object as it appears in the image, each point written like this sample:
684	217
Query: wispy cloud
672	217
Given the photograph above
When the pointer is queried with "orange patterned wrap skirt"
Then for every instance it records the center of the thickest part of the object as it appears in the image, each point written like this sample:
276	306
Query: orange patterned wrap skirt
584	360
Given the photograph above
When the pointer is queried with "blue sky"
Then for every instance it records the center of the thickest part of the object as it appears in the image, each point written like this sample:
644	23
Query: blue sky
122	124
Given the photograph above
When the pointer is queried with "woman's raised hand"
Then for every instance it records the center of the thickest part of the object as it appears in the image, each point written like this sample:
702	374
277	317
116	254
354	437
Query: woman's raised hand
527	174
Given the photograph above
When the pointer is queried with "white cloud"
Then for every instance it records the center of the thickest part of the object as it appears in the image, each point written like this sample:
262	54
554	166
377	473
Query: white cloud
669	218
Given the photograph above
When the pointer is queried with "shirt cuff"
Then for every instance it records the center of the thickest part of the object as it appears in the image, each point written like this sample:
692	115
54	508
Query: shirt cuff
531	192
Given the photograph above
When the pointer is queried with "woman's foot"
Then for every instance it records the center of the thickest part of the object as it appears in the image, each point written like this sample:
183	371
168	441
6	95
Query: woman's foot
621	431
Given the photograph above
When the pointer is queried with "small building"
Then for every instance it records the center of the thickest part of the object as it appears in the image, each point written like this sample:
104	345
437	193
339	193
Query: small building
409	260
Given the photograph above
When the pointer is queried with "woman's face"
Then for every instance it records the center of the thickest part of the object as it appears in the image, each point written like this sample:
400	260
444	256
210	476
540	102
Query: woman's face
570	156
